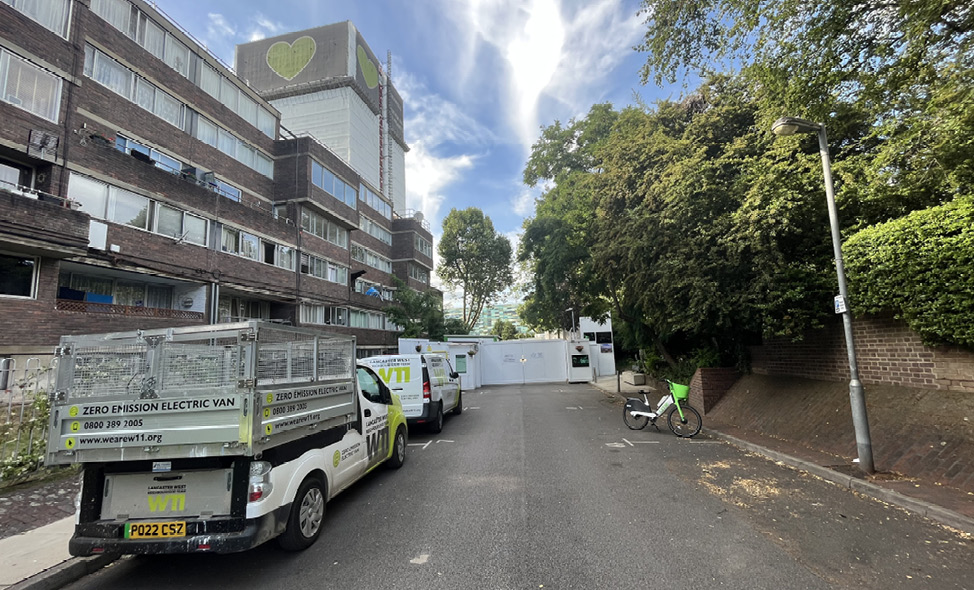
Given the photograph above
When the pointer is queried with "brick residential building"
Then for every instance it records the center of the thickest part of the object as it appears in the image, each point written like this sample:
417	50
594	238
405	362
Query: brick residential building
144	184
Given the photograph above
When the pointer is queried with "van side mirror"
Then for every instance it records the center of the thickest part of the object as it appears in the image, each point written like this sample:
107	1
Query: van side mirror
454	375
385	394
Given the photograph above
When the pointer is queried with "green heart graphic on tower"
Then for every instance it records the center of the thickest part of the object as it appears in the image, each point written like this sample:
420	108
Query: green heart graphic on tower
369	71
289	59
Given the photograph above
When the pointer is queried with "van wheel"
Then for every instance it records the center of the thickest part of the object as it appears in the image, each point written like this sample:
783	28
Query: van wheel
458	409
398	449
436	425
307	513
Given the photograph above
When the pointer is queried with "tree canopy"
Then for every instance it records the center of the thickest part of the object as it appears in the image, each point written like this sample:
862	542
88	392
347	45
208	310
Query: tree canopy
475	259
699	229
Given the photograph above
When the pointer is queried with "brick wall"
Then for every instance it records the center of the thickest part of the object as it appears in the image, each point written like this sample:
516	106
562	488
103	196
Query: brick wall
708	386
886	350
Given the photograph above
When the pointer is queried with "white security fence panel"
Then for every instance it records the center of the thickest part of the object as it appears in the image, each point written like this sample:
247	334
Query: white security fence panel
524	361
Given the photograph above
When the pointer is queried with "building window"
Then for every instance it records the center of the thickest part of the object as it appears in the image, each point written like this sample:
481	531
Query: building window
375	230
366	319
128	208
177	55
231	240
143	30
324	269
419	273
104	201
53	15
28	87
100	289
108	72
326	180
366	256
117	12
181	225
325	229
18	275
374	201
228	190
423	246
311	313
120	79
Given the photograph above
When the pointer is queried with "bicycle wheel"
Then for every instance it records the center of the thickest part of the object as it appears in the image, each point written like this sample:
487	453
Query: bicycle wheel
633	422
687	427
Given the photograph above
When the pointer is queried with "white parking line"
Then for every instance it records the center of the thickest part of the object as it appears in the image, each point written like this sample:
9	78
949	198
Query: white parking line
424	445
632	443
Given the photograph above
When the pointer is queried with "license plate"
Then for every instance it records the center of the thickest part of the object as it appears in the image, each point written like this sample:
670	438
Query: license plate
154	530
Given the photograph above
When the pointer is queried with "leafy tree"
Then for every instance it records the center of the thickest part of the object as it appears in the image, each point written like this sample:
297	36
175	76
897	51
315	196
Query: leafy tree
557	241
505	330
418	313
475	258
891	80
455	326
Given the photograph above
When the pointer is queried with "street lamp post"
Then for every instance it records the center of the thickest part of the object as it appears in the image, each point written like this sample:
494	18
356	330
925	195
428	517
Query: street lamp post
791	126
572	331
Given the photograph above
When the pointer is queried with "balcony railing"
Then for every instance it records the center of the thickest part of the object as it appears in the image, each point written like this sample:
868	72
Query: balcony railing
125	310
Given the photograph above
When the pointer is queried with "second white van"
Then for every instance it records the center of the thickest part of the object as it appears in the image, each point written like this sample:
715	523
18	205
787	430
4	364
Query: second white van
426	384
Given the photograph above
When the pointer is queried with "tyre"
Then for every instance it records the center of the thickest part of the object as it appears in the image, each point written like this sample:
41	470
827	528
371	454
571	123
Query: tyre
689	426
459	407
436	426
398	450
307	514
633	422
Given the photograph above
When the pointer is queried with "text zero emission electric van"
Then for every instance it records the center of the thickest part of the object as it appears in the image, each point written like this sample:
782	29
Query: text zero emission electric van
426	385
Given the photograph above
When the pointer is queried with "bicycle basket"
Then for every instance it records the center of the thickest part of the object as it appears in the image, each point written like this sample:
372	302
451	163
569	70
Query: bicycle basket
680	392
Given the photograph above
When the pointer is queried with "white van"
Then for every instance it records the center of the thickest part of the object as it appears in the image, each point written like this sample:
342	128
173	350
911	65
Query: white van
426	384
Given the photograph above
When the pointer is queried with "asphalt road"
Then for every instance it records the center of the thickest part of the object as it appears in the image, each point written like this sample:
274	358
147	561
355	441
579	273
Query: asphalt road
543	486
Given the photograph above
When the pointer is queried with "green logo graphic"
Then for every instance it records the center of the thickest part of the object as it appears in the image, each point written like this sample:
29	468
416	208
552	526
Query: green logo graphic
369	71
337	458
288	59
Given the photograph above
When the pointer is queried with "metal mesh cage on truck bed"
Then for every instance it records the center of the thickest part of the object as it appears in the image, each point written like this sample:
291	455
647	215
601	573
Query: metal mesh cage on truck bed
196	391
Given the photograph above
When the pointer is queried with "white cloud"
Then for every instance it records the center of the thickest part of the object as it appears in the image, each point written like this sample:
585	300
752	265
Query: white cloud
262	27
523	203
218	27
552	49
428	175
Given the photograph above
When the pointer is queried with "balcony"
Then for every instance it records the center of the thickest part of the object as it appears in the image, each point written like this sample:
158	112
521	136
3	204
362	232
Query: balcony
74	306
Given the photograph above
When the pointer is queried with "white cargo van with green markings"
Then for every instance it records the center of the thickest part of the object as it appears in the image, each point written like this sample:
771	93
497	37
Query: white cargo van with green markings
215	438
426	384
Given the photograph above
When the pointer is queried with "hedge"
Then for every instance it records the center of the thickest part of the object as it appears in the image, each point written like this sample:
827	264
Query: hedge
921	268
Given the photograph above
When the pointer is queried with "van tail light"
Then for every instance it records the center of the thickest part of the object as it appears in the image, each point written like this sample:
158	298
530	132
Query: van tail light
426	390
260	481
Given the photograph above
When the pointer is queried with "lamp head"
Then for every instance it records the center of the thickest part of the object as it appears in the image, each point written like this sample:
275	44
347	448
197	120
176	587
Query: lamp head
792	125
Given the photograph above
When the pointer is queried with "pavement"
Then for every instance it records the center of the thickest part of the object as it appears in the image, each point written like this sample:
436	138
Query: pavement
36	521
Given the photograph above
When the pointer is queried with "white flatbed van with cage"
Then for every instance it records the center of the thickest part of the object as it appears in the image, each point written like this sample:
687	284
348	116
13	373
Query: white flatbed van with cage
215	438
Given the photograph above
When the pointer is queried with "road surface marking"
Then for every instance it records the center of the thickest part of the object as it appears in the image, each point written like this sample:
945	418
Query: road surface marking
641	442
424	445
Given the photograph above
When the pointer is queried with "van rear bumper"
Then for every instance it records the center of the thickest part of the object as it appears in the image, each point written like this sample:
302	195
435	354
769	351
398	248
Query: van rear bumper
424	417
214	535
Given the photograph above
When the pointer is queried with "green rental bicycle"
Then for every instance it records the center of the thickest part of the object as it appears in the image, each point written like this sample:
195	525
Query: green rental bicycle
682	418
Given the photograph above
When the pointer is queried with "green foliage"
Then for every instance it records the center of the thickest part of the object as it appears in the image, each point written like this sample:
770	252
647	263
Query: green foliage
475	258
418	314
505	330
27	435
455	326
921	267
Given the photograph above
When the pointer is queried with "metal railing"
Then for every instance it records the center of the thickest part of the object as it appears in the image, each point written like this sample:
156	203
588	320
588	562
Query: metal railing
127	310
23	416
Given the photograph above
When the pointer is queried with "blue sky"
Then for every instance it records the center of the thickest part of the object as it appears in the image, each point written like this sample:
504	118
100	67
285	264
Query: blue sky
478	77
